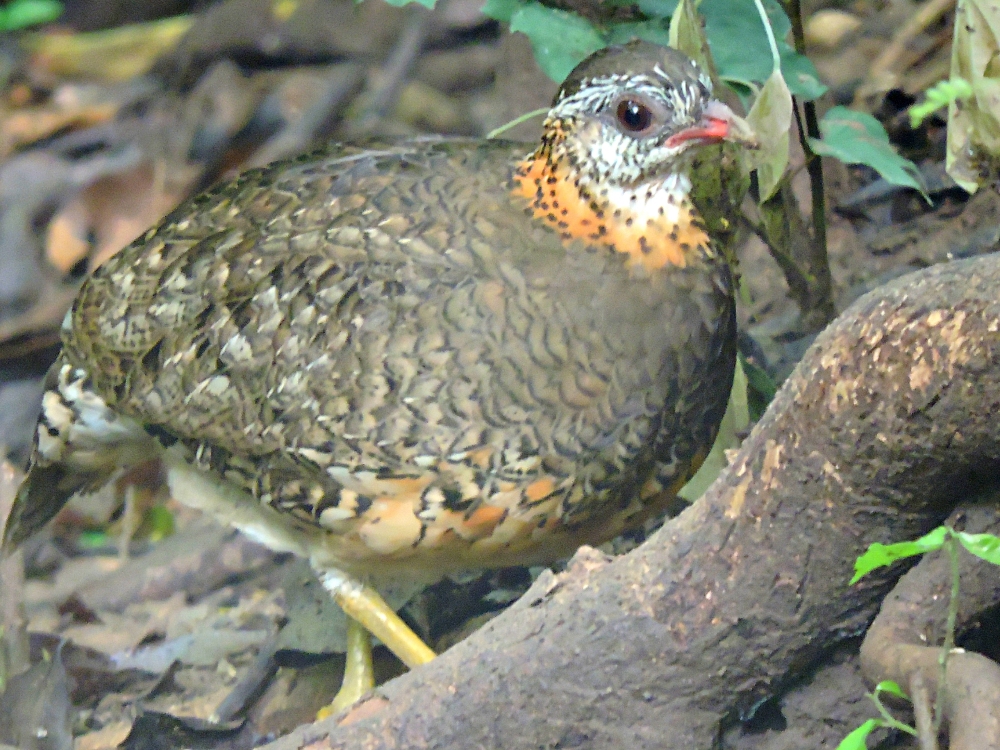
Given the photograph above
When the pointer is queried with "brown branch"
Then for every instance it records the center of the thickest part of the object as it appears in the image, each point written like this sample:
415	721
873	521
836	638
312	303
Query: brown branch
816	259
890	416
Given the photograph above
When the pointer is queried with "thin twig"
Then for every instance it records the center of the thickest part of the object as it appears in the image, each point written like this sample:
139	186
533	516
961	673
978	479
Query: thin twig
785	262
951	545
818	260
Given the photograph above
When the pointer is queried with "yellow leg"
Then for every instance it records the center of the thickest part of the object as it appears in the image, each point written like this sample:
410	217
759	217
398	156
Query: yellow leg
359	676
364	604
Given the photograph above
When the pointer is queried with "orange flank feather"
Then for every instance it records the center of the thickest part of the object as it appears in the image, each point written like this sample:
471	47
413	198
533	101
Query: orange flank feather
540	489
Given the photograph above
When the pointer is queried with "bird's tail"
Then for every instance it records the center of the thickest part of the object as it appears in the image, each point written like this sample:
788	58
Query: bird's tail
79	446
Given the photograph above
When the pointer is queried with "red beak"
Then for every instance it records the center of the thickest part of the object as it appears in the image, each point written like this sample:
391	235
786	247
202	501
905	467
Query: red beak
718	123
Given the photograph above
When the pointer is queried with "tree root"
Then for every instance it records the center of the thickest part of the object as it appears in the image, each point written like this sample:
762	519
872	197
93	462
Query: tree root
889	420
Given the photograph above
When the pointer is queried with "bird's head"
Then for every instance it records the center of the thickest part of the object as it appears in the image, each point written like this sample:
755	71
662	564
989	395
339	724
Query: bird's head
631	114
612	168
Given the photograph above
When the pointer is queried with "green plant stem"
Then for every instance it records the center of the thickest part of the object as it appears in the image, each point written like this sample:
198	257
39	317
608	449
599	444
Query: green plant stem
888	720
817	186
775	57
788	239
515	122
950	544
813	163
818	262
793	9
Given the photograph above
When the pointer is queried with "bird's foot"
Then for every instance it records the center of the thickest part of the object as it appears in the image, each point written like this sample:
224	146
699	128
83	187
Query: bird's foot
359	676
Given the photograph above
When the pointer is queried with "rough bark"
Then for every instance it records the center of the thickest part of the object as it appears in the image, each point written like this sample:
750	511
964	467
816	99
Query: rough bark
891	417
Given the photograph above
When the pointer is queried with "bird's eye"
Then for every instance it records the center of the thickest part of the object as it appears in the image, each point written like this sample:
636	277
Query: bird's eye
634	116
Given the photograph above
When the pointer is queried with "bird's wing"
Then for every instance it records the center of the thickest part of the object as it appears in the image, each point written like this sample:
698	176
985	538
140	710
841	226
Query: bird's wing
334	330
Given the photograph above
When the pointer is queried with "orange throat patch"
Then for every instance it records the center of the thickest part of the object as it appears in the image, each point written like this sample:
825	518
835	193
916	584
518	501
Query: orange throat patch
653	225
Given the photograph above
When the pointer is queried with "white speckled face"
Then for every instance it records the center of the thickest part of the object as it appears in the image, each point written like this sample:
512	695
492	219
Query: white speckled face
618	128
621	127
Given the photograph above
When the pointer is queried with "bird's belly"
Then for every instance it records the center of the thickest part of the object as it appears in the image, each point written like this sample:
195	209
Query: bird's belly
386	543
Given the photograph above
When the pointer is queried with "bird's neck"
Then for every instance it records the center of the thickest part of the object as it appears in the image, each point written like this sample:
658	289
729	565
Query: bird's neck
654	223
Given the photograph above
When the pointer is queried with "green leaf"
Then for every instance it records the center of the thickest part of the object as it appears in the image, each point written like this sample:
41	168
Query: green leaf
892	688
985	546
760	388
560	39
736	37
160	521
92	539
858	138
651	31
21	14
741	51
688	35
800	74
856	739
737	40
657	8
501	10
881	555
941	94
771	119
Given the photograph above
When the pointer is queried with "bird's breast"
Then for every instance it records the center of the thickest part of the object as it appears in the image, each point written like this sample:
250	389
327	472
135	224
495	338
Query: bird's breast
653	225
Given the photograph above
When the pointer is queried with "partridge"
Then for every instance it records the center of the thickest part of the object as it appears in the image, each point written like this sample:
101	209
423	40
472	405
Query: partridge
400	360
